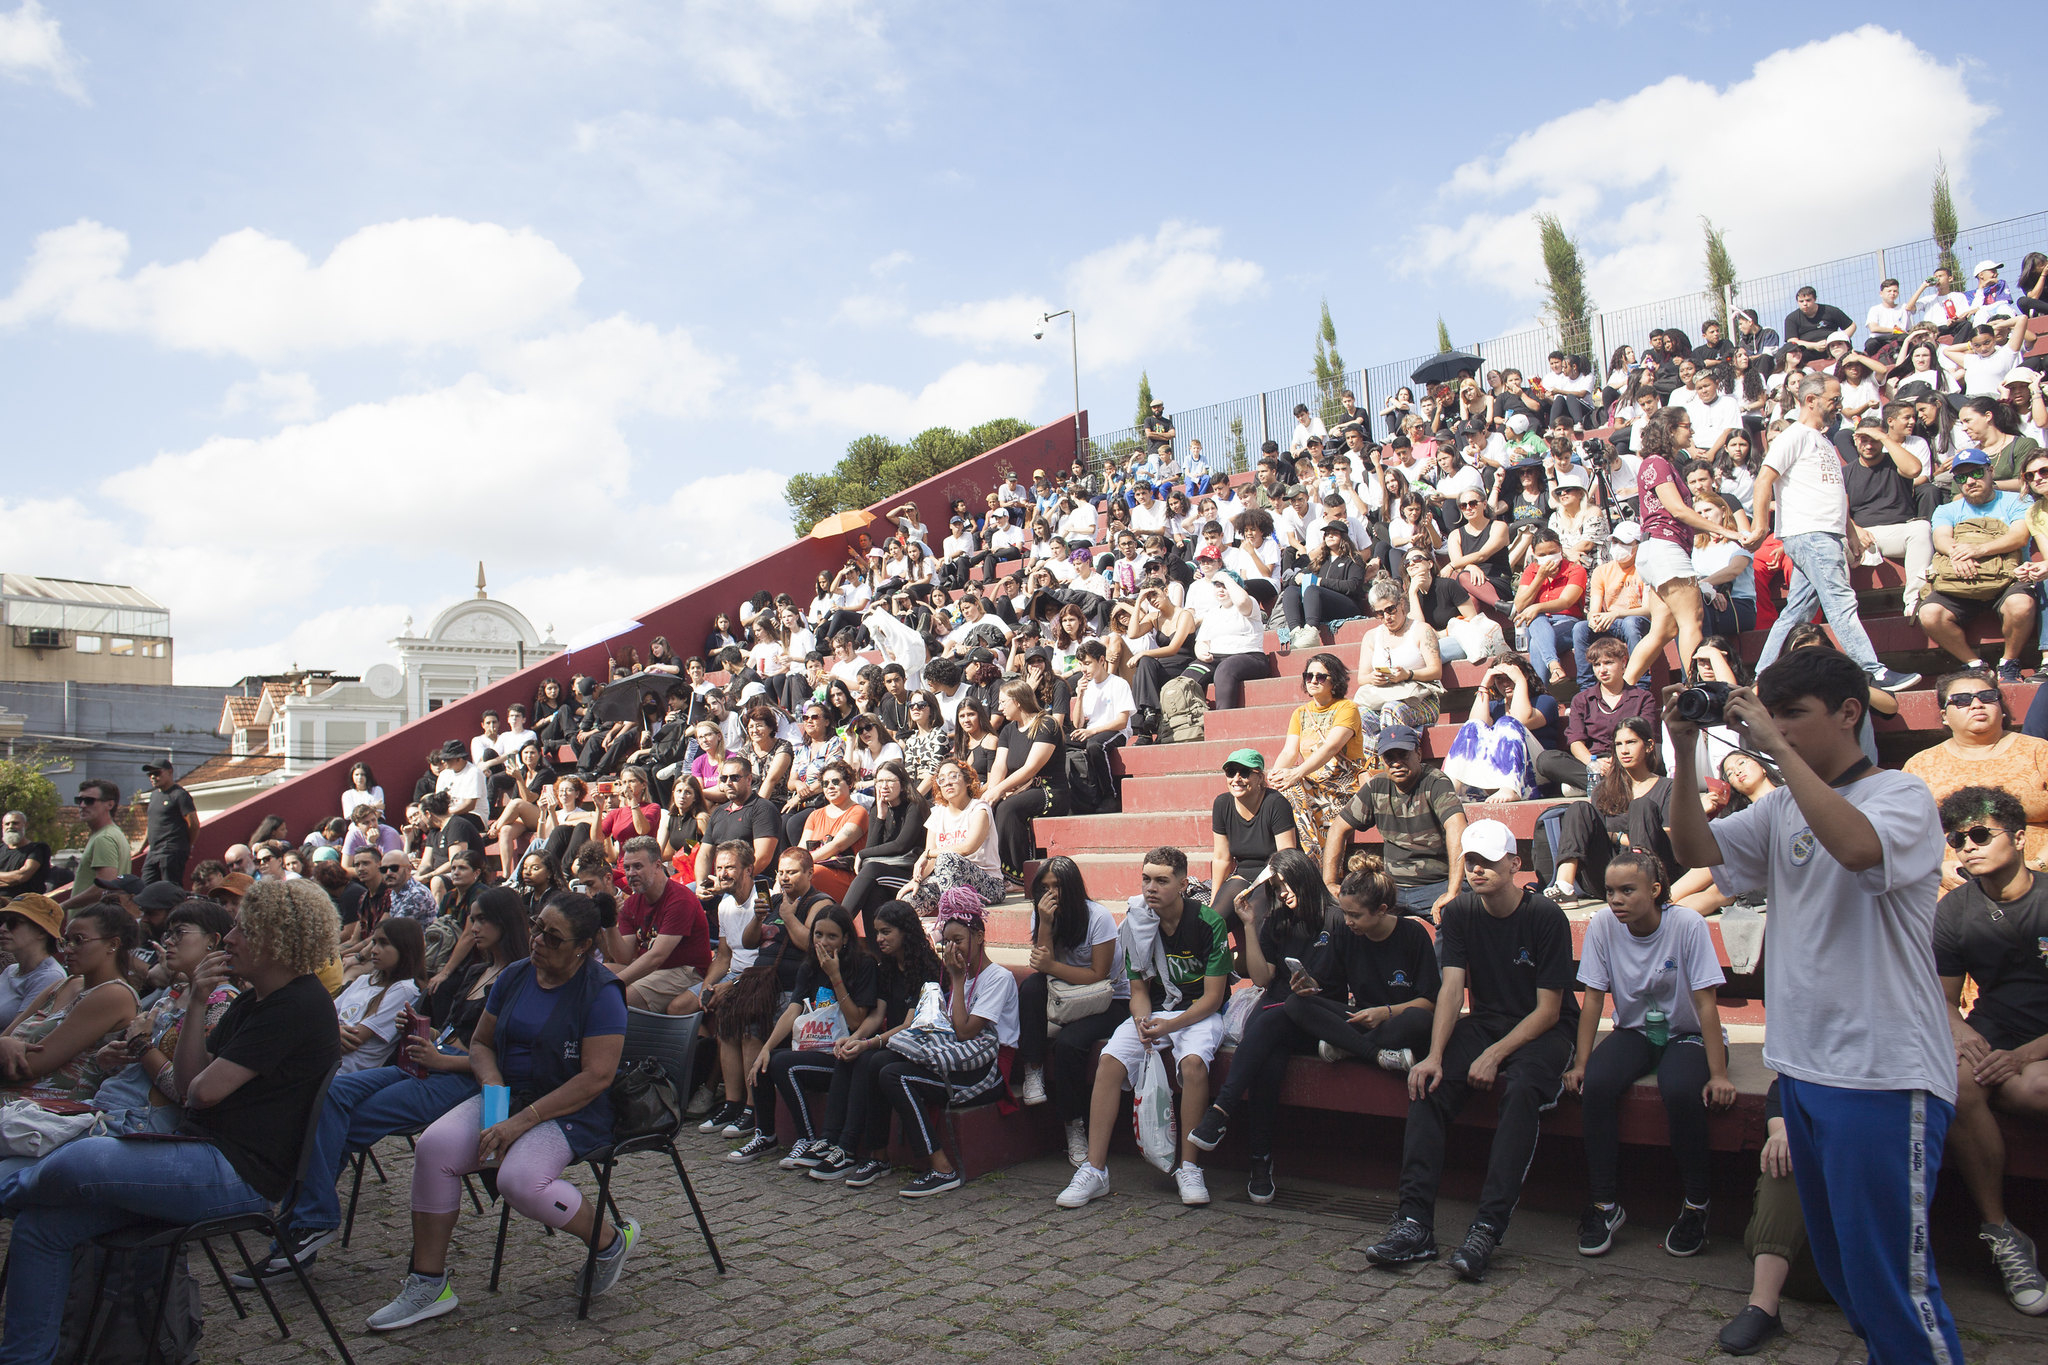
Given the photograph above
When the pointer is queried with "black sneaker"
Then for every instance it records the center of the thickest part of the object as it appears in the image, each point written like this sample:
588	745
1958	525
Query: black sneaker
1688	1236
1597	1227
741	1123
2009	671
1259	1186
930	1183
1209	1132
1469	1260
866	1174
804	1153
832	1164
1406	1241
758	1146
1746	1335
720	1117
302	1246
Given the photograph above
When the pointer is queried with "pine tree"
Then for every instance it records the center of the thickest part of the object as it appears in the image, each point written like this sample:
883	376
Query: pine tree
1443	335
1945	225
1566	300
1236	458
1329	367
1720	271
1144	399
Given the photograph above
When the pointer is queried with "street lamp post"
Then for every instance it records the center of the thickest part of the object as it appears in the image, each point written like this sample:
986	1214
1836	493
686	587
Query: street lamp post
1074	337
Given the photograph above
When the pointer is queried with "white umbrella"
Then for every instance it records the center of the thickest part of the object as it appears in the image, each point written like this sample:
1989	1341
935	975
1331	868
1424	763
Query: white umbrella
597	635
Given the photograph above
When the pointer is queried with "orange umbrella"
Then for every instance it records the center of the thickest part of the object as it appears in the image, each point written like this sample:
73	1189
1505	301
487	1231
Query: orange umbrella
842	524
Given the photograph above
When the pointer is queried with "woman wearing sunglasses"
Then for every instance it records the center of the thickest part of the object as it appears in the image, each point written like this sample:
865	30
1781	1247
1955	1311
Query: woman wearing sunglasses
835	831
1981	752
45	1051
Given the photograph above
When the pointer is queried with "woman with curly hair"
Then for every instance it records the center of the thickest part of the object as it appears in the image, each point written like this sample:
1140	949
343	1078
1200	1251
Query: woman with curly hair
924	741
247	1086
960	844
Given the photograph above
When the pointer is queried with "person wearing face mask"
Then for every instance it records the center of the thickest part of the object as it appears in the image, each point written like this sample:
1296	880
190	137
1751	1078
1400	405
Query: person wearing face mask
1617	601
1551	602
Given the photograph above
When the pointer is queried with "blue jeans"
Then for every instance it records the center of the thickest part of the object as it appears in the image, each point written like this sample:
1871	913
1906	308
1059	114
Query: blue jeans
1820	582
1630	630
89	1187
363	1106
1421	900
1549	635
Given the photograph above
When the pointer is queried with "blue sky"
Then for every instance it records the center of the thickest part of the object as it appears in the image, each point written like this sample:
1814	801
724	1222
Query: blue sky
305	308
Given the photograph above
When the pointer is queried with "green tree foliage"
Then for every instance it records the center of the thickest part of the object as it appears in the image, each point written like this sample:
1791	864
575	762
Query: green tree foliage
1443	335
24	788
1329	367
1235	460
875	467
1144	399
1944	214
1565	299
1720	270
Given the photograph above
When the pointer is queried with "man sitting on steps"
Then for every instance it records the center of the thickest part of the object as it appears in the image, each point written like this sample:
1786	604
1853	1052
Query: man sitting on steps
1421	823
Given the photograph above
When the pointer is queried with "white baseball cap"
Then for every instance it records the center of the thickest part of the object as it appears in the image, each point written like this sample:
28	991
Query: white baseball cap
1488	839
1627	532
1983	266
1518	423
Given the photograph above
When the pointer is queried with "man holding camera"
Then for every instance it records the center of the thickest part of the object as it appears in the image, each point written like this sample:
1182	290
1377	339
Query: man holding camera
1850	858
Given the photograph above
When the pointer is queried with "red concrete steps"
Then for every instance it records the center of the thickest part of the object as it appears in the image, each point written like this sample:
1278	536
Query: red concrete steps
1129	834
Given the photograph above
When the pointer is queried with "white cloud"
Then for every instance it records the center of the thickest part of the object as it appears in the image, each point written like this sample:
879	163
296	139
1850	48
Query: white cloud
695	168
991	322
1722	153
869	310
280	397
32	48
620	364
347	639
413	283
886	265
967	394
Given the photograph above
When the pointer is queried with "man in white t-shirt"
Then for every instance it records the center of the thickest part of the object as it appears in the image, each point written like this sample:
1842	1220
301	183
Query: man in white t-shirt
957	554
513	737
464	781
1148	513
1715	415
1888	320
1938	303
1850	858
483	749
1101	722
1306	424
1813	525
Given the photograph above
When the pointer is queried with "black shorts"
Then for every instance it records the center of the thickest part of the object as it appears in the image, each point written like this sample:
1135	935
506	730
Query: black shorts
1967	609
2002	1033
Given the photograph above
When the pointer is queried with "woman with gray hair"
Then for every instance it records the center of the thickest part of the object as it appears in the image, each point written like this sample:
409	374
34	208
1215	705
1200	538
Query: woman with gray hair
1400	669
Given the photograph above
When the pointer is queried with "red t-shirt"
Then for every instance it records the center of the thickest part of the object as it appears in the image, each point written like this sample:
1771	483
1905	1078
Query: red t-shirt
1564	576
617	825
677	912
1658	523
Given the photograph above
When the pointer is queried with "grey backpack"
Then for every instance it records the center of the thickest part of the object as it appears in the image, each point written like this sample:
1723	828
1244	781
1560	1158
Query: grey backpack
1183	706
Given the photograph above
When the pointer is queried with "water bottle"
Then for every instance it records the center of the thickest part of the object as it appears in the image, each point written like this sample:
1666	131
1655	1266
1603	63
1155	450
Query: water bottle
1656	1027
1521	639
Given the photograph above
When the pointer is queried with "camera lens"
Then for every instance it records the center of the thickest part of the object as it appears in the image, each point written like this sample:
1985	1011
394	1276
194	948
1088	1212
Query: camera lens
1703	703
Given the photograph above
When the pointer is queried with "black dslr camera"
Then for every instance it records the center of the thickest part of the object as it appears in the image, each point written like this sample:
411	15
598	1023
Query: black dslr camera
1703	703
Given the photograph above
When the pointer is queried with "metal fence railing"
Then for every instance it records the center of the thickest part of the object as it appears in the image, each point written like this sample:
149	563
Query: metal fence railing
1232	432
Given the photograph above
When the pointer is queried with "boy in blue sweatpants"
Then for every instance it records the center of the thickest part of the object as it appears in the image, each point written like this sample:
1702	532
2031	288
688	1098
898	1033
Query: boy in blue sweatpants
1850	858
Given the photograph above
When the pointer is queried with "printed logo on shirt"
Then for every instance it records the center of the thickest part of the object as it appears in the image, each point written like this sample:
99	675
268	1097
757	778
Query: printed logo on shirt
2042	944
1670	964
572	1051
1400	978
1523	959
1803	844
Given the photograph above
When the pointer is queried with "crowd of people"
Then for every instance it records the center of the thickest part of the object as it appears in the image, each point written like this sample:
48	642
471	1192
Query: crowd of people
799	832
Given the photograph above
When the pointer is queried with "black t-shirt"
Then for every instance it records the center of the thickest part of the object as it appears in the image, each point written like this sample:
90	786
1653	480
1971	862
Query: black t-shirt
1441	603
898	994
1155	433
859	976
462	829
1297	941
788	957
1252	842
1826	320
755	819
1017	744
348	902
1402	967
14	859
2003	947
167	812
1506	961
289	1038
1649	815
1879	495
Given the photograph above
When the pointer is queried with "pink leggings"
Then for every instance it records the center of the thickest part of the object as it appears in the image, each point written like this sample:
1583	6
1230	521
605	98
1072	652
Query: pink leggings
529	1173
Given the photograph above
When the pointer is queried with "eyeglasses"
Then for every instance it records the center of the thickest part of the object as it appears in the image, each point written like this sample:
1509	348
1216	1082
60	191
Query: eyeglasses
266	857
552	939
1391	609
79	940
1979	835
1316	676
1988	696
2041	473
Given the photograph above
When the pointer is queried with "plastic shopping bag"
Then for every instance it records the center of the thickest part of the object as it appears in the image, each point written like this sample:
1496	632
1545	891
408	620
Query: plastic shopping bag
1152	1112
819	1029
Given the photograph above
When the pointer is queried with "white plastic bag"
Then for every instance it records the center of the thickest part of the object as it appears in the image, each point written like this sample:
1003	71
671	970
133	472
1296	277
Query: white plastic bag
1237	1012
1152	1112
818	1029
930	1016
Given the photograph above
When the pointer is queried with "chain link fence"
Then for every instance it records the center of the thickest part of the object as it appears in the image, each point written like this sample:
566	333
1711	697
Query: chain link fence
1231	433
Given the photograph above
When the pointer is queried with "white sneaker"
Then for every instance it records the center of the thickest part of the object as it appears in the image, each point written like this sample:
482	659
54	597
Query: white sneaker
1308	637
1033	1089
1397	1059
1329	1052
1194	1191
1077	1143
1088	1183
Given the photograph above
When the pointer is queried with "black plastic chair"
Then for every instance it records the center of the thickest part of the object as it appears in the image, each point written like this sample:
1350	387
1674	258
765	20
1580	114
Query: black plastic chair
359	1157
149	1234
673	1040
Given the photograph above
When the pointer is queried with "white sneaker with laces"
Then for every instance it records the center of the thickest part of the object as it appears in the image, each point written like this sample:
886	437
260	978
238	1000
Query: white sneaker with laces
1194	1191
1088	1183
1328	1052
1077	1143
1033	1089
1397	1059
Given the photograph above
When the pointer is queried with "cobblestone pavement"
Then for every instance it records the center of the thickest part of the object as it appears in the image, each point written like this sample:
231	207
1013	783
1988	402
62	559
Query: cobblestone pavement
995	1272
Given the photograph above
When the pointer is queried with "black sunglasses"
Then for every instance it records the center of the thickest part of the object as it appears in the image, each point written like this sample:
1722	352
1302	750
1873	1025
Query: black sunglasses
1317	676
1979	835
1989	696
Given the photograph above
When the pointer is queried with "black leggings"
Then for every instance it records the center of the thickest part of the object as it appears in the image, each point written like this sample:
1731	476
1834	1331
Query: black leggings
1583	838
1616	1064
1015	843
1228	675
1328	1021
855	1117
1296	1025
791	1073
1072	1050
1155	673
874	885
1315	605
911	1086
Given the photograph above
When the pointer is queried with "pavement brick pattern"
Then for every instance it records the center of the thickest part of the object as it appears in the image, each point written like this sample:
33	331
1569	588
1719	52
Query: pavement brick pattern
993	1272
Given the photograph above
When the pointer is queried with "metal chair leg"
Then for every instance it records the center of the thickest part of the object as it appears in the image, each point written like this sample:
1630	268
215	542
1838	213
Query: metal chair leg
376	1166
498	1256
475	1200
172	1256
220	1273
355	1190
306	1284
588	1281
283	1331
696	1208
93	1328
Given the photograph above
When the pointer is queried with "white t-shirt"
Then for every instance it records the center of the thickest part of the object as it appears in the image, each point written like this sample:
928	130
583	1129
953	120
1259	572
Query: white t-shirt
1662	968
470	782
510	742
962	544
1942	309
1249	566
1810	495
484	748
1985	374
1882	319
1299	442
352	1006
1079	523
1151	518
1100	701
1563	383
992	995
1094	582
951	831
1101	930
1855	1001
733	919
1709	420
352	798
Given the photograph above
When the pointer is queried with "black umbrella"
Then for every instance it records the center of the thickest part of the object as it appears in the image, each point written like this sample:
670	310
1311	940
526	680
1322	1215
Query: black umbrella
621	700
1449	365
